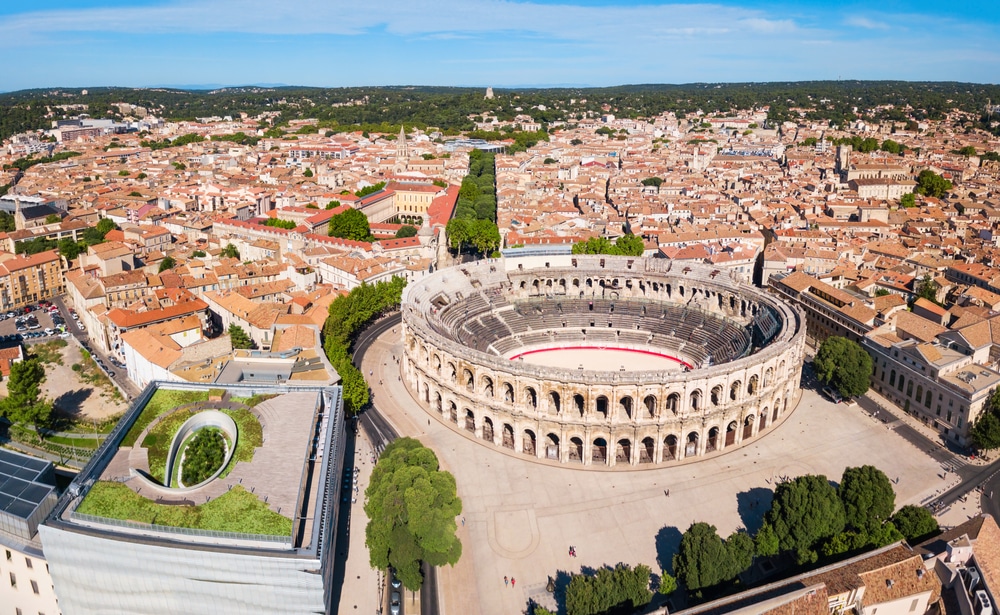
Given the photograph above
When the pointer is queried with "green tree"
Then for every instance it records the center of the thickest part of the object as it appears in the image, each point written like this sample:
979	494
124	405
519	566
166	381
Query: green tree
609	590
868	498
199	254
668	584
931	184
307	173
24	404
915	523
411	506
891	146
740	548
766	541
369	190
804	512
653	181
844	365
702	559
908	200
7	222
332	205
239	337
927	288
406	231
279	223
70	249
986	432
630	245
230	251
350	224
167	263
53	219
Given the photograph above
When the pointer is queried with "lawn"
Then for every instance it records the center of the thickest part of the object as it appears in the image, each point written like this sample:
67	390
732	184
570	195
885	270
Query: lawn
238	510
161	401
75	442
157	441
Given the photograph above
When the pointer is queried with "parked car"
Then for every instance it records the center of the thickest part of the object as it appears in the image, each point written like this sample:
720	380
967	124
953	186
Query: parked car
832	395
49	331
394	603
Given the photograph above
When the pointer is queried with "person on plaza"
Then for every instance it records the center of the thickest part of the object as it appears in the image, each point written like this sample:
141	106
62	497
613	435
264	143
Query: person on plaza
512	581
506	581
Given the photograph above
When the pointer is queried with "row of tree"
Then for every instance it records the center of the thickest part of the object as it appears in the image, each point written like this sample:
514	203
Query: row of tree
626	245
349	314
809	517
473	224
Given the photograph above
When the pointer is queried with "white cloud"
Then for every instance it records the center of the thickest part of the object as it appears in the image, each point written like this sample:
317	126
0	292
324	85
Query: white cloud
866	23
405	17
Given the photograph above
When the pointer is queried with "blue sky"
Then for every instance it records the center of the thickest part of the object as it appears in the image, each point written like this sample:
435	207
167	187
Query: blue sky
49	43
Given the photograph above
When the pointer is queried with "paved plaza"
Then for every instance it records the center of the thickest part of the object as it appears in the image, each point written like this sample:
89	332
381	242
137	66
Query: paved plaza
521	515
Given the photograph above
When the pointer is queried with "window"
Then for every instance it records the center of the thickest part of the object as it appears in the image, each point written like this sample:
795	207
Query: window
13	580
27	562
8	555
34	587
913	605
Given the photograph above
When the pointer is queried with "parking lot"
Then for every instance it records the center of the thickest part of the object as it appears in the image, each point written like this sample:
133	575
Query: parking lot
34	322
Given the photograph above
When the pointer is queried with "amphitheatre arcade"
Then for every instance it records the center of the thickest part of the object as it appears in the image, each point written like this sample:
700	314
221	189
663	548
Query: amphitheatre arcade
601	360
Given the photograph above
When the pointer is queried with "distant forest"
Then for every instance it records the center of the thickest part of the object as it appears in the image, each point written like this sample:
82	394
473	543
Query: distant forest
448	109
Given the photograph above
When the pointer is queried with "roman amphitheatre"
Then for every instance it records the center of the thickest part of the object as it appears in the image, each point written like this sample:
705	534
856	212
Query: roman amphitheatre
601	361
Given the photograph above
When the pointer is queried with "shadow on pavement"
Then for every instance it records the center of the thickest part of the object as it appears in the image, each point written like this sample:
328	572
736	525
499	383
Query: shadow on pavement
668	541
752	505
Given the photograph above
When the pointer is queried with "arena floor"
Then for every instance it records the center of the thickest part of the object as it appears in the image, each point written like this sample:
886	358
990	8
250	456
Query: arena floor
602	359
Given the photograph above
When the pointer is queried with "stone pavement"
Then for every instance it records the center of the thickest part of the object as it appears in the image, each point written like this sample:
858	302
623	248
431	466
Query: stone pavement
522	515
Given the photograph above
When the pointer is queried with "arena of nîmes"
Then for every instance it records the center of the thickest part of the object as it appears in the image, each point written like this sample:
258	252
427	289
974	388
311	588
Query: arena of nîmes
601	360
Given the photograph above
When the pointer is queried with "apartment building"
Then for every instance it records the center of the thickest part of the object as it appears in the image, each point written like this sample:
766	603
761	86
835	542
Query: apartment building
30	278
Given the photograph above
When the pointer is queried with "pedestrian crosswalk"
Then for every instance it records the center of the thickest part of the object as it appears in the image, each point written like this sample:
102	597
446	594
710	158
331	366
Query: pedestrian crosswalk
954	464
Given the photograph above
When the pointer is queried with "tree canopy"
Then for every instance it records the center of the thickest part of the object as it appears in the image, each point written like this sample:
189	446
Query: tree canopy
704	559
406	231
279	223
350	224
230	251
621	587
411	505
168	262
24	404
930	183
844	365
868	498
626	245
483	235
805	511
239	337
915	523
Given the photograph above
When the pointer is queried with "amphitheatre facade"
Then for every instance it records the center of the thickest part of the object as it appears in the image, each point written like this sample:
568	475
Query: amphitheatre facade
601	360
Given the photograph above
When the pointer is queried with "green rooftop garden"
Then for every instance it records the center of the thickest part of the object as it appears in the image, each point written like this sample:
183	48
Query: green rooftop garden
162	401
237	510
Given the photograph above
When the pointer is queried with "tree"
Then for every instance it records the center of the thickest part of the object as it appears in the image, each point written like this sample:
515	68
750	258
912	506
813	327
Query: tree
307	173
652	181
630	245
766	541
702	560
804	512
350	224
668	584
931	184
908	200
70	249
332	204
369	190
608	590
986	432
891	146
279	223
53	219
230	251
199	254
406	231
915	523
740	547
868	498
411	505
23	404
927	288
167	263
239	338
7	222
844	365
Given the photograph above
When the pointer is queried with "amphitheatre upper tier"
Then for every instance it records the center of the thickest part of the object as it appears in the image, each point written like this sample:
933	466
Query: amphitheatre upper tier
633	360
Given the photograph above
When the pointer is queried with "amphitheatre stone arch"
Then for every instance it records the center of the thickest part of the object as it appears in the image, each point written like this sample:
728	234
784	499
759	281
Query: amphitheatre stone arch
724	358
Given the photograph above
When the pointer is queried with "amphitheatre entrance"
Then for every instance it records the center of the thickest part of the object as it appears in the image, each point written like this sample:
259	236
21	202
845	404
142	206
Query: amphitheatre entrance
599	358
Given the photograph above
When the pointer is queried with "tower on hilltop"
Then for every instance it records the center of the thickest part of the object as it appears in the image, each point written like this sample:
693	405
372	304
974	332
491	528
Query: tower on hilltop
489	93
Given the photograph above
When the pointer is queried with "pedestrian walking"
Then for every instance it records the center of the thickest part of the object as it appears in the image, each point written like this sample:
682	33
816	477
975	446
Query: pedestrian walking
512	581
506	581
463	521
